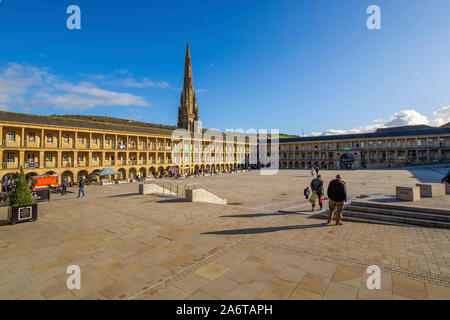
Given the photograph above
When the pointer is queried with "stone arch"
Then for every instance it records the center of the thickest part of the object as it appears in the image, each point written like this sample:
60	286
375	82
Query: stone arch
331	165
143	172
132	173
95	177
152	171
68	175
161	171
124	173
83	173
29	175
296	164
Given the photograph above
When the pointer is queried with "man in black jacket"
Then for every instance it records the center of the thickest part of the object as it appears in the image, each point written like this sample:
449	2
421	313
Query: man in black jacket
337	194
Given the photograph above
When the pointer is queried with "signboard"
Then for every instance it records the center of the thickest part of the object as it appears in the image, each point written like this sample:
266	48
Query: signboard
31	165
25	213
41	195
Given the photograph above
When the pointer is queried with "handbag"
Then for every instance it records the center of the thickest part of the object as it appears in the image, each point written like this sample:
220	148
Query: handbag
313	198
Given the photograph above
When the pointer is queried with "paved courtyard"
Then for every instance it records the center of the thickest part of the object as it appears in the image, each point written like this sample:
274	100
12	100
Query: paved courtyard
147	247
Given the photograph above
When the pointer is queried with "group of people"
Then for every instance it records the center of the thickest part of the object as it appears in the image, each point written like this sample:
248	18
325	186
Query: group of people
315	170
82	182
8	184
337	195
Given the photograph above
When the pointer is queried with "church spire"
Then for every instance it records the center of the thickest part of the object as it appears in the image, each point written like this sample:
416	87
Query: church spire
188	111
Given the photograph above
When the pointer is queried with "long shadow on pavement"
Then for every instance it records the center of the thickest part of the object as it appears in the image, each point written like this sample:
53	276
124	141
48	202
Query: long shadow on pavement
268	229
257	215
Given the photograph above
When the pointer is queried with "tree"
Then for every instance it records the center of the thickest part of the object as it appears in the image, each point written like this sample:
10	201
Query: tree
21	195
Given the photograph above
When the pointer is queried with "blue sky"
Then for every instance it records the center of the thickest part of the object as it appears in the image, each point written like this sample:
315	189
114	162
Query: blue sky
291	65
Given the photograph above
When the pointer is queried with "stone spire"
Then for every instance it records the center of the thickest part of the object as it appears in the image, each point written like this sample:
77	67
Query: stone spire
188	110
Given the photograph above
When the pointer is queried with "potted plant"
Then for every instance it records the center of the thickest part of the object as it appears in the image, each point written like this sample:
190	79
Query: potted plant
21	204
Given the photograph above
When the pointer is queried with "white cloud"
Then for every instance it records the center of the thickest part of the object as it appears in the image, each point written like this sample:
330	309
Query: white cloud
402	118
406	118
115	79
441	116
25	86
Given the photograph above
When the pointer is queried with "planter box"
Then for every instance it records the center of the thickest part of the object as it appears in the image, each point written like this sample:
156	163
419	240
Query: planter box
22	214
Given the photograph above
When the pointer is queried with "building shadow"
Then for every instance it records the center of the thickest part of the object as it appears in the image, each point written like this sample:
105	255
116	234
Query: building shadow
173	200
267	230
124	195
3	223
429	175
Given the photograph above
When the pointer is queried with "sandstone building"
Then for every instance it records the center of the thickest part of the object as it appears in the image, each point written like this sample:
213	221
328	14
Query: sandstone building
386	147
73	146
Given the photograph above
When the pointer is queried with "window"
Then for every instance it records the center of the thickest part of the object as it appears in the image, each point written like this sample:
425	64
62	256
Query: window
31	137
94	156
108	140
65	157
49	138
10	156
30	157
12	136
94	140
48	157
80	139
66	138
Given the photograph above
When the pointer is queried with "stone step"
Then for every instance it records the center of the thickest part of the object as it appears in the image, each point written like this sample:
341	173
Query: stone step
405	207
397	219
399	213
324	215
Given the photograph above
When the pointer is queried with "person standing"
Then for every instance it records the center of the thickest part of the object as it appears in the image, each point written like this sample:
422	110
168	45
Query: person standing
337	194
317	188
81	185
317	170
306	192
312	171
65	185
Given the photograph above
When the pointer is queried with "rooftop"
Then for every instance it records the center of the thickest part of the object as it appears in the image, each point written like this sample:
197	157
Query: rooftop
402	131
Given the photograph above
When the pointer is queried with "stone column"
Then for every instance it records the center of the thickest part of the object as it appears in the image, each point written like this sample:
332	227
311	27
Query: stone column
41	159
22	137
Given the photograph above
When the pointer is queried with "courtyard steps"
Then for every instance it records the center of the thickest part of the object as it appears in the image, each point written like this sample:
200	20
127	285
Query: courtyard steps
393	214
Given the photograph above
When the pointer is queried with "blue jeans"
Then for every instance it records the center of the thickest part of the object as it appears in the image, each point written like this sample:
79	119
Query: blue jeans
80	191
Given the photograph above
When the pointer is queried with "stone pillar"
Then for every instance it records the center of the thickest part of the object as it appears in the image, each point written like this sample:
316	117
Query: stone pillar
41	159
59	157
21	158
42	142
22	137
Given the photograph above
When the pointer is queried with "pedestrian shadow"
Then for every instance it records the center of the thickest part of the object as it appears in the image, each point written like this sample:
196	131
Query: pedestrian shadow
267	230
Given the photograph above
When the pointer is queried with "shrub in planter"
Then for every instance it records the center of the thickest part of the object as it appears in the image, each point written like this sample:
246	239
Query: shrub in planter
21	204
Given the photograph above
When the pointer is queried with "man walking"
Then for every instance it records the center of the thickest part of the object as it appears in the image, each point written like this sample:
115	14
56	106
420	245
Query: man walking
81	185
64	185
317	188
337	194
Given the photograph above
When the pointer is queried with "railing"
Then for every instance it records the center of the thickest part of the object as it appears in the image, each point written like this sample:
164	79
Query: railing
10	165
